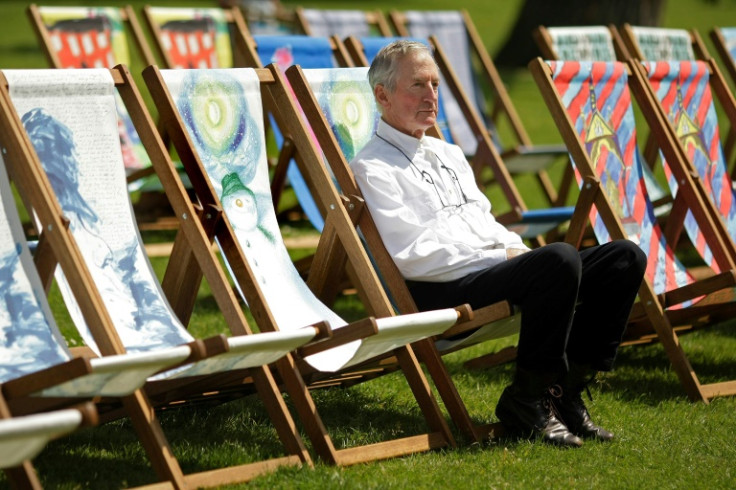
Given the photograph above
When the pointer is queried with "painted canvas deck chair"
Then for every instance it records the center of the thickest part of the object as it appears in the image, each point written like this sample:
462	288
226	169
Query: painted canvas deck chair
23	438
591	105
101	37
37	370
669	44
89	37
684	91
67	118
662	43
342	23
229	171
578	43
342	114
531	224
599	43
197	37
456	31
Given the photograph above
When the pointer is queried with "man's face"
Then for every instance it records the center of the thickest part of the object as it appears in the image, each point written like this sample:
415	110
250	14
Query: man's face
412	106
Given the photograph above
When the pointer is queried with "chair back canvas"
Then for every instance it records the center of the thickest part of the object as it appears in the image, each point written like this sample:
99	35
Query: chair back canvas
223	115
29	338
729	35
684	91
307	52
594	43
340	23
194	37
69	116
347	101
664	44
598	102
582	43
94	37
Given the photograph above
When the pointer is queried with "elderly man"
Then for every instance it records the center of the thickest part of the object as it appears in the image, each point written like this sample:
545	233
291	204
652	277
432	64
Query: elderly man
439	229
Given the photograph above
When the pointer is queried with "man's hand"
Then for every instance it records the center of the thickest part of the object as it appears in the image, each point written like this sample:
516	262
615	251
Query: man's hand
515	252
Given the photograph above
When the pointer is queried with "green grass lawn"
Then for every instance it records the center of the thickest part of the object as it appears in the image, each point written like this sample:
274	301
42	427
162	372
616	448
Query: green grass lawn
663	440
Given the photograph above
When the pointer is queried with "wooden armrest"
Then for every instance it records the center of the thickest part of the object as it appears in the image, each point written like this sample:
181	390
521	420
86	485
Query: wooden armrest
340	336
51	376
704	286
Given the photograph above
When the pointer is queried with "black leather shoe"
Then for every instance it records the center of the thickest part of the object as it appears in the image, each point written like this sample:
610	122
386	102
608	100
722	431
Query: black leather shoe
568	402
525	409
573	412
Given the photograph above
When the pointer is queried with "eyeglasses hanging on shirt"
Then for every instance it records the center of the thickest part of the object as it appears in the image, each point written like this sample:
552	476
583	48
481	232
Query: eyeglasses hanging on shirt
427	177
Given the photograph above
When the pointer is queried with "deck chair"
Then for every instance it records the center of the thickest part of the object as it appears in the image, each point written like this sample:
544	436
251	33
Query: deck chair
229	172
38	371
342	23
662	43
82	37
70	129
668	44
599	43
456	31
683	91
530	224
341	112
196	37
591	105
23	437
578	43
100	37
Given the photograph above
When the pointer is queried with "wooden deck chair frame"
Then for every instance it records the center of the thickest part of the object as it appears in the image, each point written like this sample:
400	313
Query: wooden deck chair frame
374	18
502	108
338	229
650	306
33	432
392	283
188	264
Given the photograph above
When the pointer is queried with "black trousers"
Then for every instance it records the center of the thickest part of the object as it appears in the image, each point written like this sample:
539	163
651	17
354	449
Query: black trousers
574	304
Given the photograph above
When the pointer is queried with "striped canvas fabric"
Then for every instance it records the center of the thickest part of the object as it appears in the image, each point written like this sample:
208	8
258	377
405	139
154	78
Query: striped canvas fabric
683	90
598	101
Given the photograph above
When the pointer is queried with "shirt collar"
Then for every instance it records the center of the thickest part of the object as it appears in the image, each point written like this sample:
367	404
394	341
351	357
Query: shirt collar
409	145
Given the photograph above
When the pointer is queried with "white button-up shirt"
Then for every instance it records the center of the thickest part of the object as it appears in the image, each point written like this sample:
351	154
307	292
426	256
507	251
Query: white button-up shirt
433	219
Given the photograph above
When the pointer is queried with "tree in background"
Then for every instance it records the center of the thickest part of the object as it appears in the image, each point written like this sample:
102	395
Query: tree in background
519	48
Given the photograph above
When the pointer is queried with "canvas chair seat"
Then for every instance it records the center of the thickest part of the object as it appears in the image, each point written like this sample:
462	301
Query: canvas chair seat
22	438
341	22
33	341
602	141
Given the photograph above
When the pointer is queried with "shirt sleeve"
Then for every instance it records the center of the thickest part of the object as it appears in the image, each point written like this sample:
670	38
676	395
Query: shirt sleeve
420	251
